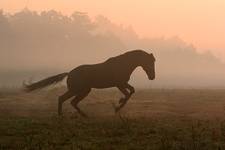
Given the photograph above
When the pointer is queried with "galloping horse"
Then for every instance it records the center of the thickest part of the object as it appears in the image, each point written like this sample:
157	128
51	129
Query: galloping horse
114	72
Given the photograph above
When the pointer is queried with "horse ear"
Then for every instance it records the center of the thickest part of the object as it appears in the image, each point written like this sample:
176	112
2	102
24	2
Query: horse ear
152	56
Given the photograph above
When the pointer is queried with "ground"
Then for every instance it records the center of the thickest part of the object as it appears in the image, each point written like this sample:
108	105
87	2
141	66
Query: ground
157	119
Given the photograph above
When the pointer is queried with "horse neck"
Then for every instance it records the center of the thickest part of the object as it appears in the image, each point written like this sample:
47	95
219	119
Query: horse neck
132	63
127	63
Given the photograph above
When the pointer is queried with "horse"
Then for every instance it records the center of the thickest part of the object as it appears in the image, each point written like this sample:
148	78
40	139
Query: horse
114	72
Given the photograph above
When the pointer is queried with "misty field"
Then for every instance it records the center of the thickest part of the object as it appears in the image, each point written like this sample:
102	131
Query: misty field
158	119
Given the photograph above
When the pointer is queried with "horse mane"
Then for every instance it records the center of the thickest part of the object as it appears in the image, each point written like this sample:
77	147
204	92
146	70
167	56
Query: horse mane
129	53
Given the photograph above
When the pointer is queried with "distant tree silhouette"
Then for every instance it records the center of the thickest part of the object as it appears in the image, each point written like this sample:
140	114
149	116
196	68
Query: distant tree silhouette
39	41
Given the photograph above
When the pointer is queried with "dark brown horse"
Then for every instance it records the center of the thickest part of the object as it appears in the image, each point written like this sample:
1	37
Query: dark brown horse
114	72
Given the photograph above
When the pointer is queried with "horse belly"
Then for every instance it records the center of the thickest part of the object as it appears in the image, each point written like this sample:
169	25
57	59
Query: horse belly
95	76
108	81
102	81
78	80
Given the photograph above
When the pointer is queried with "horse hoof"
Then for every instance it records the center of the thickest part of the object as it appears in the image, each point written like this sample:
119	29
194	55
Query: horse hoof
84	115
121	100
117	109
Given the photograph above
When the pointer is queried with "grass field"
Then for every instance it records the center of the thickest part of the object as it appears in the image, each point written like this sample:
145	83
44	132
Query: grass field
157	119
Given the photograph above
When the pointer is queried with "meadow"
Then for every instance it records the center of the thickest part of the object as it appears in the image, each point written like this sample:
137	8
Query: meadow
154	119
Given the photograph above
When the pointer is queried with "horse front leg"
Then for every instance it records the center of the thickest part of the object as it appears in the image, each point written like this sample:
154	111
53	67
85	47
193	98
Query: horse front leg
131	89
124	100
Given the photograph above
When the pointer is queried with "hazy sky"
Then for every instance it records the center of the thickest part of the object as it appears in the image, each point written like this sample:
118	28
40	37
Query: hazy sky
201	22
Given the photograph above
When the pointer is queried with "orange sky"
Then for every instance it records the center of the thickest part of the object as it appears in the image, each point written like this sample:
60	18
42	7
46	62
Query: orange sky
201	22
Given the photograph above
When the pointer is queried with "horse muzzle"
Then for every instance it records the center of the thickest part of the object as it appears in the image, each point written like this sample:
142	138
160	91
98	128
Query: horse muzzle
151	78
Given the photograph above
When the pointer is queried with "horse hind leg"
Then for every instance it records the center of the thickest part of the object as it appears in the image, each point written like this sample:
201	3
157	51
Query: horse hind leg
62	99
78	98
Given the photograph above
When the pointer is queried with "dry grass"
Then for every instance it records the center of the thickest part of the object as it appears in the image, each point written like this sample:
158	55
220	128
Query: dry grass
153	119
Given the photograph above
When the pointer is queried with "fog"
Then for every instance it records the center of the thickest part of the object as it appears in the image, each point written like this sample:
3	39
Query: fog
35	45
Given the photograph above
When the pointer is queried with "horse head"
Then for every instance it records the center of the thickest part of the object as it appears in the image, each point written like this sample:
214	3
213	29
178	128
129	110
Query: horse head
148	65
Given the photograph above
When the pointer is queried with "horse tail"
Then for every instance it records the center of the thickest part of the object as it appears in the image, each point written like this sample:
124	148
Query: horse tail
45	82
